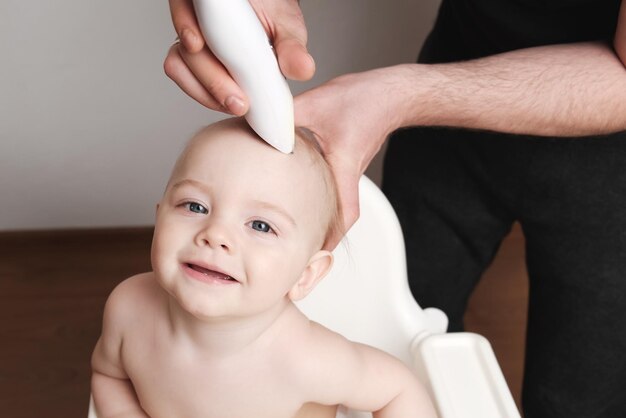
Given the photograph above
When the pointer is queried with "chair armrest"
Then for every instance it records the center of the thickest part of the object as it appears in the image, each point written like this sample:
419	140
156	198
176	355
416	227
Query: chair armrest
462	375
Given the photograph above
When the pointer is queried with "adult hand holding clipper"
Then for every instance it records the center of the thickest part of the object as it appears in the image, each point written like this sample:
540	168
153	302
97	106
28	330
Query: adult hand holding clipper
212	86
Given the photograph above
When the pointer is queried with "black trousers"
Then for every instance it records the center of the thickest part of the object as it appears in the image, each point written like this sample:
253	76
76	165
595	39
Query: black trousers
457	194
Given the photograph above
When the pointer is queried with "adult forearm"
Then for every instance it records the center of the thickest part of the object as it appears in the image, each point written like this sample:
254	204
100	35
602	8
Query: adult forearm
557	90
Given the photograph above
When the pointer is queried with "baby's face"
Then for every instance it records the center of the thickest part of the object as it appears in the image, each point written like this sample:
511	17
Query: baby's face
237	225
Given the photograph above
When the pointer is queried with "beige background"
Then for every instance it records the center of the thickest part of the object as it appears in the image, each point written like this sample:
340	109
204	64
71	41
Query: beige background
89	123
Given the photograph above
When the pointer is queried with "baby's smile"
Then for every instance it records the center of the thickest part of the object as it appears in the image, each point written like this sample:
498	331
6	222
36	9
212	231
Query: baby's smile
207	274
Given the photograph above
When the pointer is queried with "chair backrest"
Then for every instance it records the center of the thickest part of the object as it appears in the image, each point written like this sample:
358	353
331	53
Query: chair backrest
366	296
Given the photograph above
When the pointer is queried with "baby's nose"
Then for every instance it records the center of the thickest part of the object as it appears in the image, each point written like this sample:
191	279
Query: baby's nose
216	236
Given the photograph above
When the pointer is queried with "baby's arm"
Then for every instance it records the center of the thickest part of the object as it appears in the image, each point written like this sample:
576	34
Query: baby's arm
367	379
384	385
112	390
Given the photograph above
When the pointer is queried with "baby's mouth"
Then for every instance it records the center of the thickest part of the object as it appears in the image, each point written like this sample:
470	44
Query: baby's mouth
210	273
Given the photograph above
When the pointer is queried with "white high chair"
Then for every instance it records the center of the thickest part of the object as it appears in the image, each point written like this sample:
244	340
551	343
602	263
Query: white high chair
366	298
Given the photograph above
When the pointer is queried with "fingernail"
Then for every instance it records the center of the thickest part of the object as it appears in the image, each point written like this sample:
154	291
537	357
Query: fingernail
235	105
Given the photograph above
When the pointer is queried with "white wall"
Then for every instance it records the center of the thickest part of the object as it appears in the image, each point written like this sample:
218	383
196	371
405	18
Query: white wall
90	125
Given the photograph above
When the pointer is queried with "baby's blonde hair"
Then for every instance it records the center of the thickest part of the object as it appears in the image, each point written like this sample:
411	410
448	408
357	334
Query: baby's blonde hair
306	139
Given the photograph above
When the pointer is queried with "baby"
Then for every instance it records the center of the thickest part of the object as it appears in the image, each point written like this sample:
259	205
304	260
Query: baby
213	331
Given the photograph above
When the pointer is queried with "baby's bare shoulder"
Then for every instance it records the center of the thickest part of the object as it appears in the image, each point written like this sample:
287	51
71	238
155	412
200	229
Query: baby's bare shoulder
329	365
140	287
122	317
137	285
139	294
321	360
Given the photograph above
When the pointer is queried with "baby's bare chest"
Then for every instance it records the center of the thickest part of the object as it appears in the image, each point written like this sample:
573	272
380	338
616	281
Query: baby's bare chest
171	382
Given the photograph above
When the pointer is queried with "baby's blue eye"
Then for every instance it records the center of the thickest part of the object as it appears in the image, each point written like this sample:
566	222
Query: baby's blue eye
196	208
261	226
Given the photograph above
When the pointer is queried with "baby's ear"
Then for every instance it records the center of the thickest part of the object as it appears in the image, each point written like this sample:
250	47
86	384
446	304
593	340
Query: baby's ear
318	266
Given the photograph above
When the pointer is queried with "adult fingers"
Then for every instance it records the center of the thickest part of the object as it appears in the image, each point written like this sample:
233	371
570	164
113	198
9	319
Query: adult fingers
212	74
293	58
177	70
288	31
204	70
186	25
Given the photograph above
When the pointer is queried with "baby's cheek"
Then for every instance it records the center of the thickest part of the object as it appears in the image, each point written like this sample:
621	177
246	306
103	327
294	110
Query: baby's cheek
277	264
156	251
161	254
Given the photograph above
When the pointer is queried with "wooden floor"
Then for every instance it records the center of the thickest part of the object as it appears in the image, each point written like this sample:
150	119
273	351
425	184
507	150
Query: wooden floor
53	286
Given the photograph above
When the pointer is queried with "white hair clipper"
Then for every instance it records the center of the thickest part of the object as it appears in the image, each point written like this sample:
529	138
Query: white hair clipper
235	35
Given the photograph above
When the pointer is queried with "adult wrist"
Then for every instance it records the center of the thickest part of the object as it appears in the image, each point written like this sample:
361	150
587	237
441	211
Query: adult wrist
414	100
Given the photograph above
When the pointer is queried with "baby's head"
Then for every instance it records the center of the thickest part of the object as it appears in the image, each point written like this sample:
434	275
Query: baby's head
305	170
244	221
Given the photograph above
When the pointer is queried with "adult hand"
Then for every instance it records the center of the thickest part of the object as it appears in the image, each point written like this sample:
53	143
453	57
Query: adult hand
351	116
192	66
